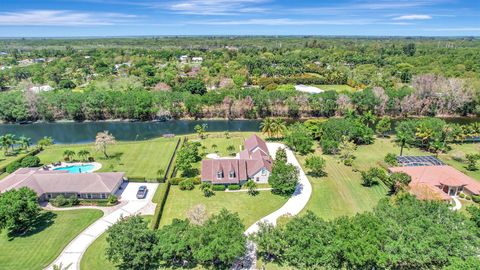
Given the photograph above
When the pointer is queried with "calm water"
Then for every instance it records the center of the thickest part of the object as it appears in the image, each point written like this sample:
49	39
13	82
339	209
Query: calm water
67	133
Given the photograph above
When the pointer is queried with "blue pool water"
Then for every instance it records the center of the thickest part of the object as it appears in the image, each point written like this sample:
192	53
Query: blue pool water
76	168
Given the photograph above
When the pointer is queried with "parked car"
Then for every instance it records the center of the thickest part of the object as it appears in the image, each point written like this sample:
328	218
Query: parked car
142	192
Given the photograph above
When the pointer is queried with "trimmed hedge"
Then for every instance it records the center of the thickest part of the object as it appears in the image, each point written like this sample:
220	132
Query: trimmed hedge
160	198
234	187
136	179
20	158
218	187
476	198
186	184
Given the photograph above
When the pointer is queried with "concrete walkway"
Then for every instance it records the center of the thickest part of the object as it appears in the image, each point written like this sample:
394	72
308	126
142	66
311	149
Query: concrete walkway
73	252
300	197
458	204
293	206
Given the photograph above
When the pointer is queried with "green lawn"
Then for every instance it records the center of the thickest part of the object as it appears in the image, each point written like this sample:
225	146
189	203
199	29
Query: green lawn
38	249
338	88
5	159
250	208
235	139
459	150
94	258
136	159
340	192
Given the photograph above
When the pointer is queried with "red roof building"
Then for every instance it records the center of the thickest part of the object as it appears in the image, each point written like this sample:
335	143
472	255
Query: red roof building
438	182
252	163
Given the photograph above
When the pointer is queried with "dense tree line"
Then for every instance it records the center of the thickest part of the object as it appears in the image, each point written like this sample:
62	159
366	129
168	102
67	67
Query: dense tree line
214	242
400	77
400	233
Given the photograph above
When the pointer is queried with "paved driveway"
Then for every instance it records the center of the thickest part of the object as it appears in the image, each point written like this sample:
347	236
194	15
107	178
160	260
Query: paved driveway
72	254
297	201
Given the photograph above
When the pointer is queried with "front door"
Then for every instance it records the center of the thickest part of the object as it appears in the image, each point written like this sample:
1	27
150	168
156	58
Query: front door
452	191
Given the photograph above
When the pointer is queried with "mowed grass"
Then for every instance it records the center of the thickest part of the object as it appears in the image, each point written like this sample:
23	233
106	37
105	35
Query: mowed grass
336	87
136	159
6	159
94	258
249	208
459	151
38	249
218	143
341	192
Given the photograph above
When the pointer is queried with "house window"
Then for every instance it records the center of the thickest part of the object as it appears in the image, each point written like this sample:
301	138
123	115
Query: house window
89	196
102	196
219	175
264	171
232	174
257	179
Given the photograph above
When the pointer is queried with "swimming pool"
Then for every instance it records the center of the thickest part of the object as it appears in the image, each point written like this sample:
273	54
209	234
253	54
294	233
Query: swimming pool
85	168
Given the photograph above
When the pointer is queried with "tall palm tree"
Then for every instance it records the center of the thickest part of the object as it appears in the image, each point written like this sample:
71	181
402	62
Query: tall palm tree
279	127
68	154
102	140
24	142
402	139
267	126
83	154
7	141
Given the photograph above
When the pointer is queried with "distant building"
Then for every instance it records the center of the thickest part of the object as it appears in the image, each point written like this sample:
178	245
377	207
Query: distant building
438	182
197	59
39	60
41	88
25	62
183	58
118	66
254	162
50	184
3	53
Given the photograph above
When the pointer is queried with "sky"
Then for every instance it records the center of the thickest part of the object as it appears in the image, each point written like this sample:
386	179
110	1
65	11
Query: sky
76	18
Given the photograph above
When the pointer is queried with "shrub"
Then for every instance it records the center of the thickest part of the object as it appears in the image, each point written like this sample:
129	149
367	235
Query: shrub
112	199
73	200
186	184
59	201
373	176
136	179
476	198
462	195
391	159
13	167
234	187
218	187
207	189
196	180
30	161
468	197
175	181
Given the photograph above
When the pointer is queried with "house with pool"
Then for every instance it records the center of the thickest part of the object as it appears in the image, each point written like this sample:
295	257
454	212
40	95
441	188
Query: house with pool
434	180
66	181
254	162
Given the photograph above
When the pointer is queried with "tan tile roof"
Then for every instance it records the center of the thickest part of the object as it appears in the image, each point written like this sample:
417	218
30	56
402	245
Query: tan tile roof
436	176
60	181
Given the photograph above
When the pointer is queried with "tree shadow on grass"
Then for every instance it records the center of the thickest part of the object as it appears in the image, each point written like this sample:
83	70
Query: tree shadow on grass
317	175
116	155
44	220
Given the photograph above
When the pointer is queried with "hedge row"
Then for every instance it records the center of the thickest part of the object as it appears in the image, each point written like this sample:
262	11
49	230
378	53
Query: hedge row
162	194
34	152
160	199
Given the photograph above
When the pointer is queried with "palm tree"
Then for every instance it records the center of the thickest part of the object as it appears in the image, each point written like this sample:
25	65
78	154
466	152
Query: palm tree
267	126
369	118
402	139
214	147
279	127
7	141
68	154
24	142
102	140
83	154
231	148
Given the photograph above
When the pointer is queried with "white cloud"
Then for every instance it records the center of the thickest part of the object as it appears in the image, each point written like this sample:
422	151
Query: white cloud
283	22
62	18
215	7
411	17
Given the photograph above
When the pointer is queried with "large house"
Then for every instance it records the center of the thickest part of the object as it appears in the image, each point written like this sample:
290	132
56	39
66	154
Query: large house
438	182
49	184
254	162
